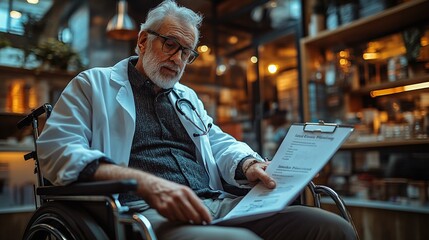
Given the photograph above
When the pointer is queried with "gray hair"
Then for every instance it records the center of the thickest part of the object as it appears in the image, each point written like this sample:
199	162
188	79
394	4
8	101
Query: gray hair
169	8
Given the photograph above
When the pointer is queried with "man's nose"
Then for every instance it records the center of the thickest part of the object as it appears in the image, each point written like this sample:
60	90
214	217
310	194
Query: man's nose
177	56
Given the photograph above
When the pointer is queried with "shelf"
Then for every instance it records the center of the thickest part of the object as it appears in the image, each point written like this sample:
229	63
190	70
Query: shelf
405	207
17	209
235	121
390	21
16	148
387	22
37	72
316	50
386	143
377	86
11	115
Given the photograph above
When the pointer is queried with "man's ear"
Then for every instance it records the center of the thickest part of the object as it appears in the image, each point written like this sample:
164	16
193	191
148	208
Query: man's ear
141	42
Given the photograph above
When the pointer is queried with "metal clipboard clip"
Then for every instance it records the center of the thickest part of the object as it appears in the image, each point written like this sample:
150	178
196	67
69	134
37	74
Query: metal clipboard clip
321	127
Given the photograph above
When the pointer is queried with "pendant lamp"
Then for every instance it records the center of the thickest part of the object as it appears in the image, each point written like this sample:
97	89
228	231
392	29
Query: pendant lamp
121	26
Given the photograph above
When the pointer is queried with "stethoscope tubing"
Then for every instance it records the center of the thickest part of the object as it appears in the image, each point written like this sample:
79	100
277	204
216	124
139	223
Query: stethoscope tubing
179	103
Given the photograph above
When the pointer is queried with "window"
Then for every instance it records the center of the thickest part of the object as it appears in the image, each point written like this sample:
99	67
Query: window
13	13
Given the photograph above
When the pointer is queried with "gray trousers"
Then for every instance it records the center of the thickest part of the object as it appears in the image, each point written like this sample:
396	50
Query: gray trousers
295	222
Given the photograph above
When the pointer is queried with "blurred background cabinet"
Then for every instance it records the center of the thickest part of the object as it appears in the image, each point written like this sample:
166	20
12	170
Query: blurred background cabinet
21	91
347	65
373	73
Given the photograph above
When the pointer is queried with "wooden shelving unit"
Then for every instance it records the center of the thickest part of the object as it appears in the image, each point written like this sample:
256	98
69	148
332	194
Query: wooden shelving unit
313	49
387	22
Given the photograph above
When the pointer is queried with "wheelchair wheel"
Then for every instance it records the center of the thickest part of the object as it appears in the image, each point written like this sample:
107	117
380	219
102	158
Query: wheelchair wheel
56	221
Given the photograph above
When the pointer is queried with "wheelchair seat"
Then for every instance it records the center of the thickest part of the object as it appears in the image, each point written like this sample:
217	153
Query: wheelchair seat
91	210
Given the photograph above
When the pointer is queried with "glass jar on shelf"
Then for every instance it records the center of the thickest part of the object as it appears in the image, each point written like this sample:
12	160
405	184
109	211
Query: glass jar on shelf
397	68
419	124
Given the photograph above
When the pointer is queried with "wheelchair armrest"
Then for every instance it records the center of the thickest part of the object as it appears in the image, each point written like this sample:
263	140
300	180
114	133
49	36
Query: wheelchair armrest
90	188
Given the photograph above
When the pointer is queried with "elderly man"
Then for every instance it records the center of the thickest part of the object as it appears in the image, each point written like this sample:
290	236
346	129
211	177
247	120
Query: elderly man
135	120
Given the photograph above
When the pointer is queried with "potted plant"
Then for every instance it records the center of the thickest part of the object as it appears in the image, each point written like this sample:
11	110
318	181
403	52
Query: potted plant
4	42
412	38
56	55
33	29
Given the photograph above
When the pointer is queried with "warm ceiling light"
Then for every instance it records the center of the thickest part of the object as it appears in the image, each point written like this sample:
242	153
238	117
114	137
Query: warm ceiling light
220	70
344	54
121	26
254	59
203	48
370	55
388	91
371	51
233	40
424	41
272	4
33	1
15	14
272	68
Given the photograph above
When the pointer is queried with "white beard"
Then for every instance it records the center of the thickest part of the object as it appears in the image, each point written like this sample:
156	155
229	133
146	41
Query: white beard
153	71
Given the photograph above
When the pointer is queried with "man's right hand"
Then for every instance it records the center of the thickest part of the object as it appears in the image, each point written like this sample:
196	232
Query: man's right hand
174	201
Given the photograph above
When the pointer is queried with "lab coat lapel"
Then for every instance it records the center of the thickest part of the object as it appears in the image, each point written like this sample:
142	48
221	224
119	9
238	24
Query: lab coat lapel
124	97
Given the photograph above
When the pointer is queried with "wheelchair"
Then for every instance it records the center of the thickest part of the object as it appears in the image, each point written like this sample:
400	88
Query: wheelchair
93	211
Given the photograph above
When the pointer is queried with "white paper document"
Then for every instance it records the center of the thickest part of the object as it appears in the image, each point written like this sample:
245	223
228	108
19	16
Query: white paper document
302	154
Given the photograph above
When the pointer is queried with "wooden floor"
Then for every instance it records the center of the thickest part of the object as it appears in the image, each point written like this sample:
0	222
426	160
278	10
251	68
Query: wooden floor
380	224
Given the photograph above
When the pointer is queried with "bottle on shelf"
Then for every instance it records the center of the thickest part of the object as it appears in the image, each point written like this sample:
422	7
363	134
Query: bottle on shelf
397	68
317	95
317	19
332	15
349	11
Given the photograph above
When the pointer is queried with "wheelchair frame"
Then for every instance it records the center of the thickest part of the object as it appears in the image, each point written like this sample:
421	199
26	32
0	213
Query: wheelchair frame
50	199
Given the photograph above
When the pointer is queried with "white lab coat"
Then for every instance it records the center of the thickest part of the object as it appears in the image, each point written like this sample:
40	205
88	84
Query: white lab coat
95	117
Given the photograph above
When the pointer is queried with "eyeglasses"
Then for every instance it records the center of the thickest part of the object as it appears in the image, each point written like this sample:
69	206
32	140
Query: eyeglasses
171	46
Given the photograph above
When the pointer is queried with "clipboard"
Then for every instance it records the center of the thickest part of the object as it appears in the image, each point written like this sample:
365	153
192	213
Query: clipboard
304	151
323	127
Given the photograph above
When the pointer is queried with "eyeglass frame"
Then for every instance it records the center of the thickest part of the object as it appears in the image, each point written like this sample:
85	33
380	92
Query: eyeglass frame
179	47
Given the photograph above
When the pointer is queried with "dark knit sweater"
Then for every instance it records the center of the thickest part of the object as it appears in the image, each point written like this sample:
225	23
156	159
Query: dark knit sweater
161	145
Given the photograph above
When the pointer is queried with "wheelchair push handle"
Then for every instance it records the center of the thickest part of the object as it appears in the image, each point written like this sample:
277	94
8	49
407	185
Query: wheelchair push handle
26	121
32	119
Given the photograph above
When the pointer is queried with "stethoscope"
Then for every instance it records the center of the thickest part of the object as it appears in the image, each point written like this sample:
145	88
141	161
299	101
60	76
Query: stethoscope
179	104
